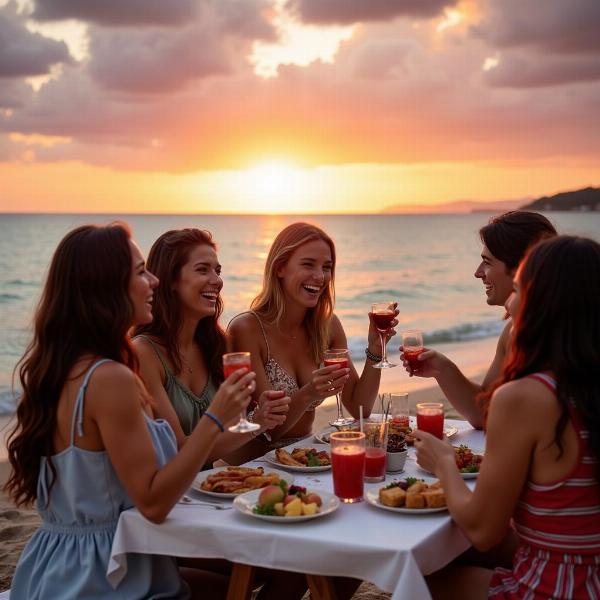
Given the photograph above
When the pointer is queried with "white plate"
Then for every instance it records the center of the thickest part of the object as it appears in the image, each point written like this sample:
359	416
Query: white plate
246	502
270	457
204	474
322	436
373	498
463	475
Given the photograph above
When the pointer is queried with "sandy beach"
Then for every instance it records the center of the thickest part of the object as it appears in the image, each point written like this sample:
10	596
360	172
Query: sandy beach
17	525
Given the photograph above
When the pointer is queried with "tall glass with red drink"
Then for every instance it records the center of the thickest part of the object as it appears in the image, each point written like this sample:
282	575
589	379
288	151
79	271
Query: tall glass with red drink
430	418
348	465
376	434
231	363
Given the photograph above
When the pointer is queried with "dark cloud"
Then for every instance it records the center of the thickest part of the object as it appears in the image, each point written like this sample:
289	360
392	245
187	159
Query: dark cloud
117	12
155	60
535	71
26	54
245	19
558	26
346	12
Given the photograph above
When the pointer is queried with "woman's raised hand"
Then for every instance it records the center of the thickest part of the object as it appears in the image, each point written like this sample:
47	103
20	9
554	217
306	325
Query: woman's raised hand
431	363
328	381
233	395
374	338
431	451
272	408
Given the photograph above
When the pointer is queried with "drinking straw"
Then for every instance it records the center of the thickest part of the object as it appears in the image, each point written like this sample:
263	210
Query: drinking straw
360	417
384	419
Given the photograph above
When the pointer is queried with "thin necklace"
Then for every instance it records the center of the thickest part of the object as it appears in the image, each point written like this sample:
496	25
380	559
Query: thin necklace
288	335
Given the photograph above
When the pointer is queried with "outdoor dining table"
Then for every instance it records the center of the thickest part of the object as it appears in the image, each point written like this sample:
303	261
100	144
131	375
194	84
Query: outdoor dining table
394	551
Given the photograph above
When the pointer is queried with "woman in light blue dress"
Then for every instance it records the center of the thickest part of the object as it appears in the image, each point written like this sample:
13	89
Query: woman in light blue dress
86	446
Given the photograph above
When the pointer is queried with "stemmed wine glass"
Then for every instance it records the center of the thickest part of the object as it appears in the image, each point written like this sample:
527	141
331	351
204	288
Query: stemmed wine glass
383	315
338	356
232	362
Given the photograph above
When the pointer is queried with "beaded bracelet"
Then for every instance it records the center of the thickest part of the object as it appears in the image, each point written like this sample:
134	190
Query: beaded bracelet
372	356
216	421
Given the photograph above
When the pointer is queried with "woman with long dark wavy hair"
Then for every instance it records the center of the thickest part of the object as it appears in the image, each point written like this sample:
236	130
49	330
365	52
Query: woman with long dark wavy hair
86	445
290	325
542	460
181	349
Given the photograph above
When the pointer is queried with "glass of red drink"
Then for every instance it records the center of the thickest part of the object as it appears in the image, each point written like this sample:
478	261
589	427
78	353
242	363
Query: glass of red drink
412	342
383	315
399	410
430	418
338	357
232	362
348	465
376	433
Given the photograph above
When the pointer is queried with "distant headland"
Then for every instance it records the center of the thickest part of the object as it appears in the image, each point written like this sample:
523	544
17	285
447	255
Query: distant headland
583	200
586	199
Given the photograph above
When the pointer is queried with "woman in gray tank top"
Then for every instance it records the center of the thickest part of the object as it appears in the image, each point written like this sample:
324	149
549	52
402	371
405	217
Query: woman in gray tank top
181	350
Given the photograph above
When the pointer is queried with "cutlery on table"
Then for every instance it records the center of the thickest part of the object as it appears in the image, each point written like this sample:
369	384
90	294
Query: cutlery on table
192	501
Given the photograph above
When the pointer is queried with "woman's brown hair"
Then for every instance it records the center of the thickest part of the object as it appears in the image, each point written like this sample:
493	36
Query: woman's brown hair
270	302
557	327
169	253
84	309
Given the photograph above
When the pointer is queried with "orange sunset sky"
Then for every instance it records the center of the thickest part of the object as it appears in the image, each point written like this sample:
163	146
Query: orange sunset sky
300	106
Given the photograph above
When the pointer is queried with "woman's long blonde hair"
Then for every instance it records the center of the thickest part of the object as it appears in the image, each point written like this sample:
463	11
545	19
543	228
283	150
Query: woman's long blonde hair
270	302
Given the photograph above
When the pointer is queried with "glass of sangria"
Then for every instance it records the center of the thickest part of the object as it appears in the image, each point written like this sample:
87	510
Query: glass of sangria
430	418
412	342
232	362
348	465
383	315
376	437
339	357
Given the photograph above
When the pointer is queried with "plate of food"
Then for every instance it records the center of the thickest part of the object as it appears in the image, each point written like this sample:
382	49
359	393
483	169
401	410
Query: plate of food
228	482
468	461
286	504
322	436
409	496
300	459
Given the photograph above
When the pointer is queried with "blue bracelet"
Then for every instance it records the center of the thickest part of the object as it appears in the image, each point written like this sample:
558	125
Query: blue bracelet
216	421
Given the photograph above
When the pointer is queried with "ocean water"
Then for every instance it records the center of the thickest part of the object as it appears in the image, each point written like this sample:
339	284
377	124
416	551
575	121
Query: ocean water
424	262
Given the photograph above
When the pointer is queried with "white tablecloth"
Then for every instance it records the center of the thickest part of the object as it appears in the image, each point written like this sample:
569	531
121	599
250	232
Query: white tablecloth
391	550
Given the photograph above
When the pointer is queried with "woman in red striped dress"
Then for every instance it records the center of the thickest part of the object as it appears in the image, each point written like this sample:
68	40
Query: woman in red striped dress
541	469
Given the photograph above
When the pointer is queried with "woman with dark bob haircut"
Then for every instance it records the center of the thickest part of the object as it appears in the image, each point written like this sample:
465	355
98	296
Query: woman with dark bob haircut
86	445
542	461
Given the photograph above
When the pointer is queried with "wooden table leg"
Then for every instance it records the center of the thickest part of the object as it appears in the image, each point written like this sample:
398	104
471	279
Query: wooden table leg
240	584
321	587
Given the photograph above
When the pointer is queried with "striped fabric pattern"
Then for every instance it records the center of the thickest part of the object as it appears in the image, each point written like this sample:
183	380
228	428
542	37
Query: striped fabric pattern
558	525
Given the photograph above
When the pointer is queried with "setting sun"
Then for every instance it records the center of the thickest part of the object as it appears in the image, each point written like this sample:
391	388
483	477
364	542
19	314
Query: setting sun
270	187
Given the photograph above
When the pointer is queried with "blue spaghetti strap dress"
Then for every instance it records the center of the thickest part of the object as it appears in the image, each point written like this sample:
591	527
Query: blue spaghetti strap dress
68	555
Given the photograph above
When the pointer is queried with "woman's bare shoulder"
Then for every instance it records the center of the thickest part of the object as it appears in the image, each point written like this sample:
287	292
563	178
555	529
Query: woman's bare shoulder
244	323
111	384
525	397
335	326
